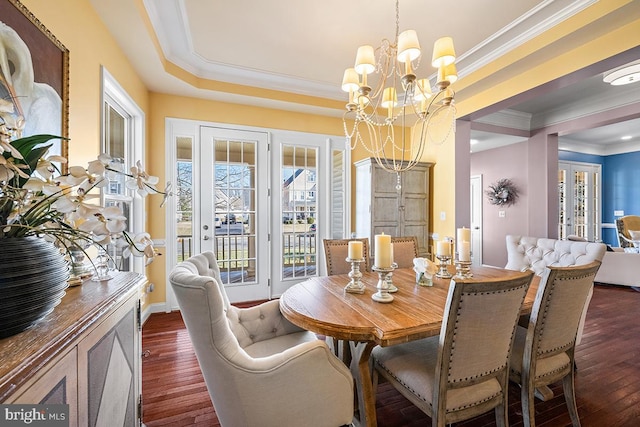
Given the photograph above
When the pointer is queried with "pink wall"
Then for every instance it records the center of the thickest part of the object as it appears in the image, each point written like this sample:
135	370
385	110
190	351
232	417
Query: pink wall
533	168
505	162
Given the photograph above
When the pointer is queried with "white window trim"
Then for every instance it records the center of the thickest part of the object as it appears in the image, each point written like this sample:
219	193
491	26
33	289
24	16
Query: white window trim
113	93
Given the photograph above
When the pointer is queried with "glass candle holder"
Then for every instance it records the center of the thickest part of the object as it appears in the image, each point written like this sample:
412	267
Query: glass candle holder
102	267
463	269
443	273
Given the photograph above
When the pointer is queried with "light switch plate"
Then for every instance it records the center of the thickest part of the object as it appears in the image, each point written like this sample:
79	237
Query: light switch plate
502	214
618	213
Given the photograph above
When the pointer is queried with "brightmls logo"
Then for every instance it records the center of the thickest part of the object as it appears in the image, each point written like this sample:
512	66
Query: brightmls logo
34	415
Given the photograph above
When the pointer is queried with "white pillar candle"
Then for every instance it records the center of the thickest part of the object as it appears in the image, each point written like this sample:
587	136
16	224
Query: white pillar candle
382	258
464	235
355	250
464	251
443	248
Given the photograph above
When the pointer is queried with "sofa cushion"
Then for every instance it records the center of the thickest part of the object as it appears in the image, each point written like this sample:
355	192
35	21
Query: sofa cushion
535	253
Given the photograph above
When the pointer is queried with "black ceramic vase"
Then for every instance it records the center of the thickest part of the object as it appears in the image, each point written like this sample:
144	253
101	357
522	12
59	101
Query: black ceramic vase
33	279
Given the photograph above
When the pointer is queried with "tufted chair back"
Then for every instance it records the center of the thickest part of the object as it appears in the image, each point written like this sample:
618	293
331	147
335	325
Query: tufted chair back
535	253
259	368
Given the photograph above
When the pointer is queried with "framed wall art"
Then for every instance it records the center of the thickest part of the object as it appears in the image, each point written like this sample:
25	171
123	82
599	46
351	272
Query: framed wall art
34	74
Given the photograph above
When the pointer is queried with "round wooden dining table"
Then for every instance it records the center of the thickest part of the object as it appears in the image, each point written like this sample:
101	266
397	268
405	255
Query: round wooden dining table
321	305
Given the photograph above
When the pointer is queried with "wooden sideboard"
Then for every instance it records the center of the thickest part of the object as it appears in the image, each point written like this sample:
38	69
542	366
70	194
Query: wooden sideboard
86	353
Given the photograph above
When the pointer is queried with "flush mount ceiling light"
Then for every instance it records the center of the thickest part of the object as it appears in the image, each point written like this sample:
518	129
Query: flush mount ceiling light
629	73
383	81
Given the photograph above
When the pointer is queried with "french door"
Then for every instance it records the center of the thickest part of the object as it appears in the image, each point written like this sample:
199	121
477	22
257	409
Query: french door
234	209
261	200
579	188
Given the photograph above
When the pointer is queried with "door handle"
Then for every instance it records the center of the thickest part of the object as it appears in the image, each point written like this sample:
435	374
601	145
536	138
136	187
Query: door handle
205	237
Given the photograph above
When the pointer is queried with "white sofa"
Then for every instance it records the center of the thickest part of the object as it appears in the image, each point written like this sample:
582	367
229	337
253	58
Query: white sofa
620	268
536	253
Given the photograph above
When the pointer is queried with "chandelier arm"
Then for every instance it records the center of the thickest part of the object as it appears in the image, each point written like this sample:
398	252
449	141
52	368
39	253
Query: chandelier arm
450	111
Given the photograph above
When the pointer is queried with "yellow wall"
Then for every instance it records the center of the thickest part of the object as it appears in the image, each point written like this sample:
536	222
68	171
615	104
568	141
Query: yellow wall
76	24
80	30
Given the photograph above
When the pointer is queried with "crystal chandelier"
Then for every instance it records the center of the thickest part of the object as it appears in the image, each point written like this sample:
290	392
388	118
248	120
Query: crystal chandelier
385	93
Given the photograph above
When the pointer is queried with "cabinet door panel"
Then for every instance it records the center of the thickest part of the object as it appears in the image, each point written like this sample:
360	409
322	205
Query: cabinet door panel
415	181
386	209
414	210
57	385
384	182
108	360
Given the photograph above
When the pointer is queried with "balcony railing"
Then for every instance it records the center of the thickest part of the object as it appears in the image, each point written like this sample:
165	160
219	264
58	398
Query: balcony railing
232	253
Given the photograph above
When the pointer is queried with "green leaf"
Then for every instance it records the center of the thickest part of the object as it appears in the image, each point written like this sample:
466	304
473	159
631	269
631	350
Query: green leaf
31	150
26	144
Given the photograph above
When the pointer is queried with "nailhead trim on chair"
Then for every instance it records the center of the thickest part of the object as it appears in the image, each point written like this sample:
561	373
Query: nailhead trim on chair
421	396
453	344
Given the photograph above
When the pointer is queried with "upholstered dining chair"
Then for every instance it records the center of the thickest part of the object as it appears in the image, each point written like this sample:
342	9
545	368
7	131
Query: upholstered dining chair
463	372
405	249
336	251
260	369
625	225
543	353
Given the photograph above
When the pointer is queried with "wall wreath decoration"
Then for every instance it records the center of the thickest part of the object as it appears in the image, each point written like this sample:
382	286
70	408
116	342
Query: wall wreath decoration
502	193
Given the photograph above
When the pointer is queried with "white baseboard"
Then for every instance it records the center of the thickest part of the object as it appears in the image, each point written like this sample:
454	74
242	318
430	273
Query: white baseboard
158	307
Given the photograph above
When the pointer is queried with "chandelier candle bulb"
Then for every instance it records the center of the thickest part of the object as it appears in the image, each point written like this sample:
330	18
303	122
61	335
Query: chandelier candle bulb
382	256
355	250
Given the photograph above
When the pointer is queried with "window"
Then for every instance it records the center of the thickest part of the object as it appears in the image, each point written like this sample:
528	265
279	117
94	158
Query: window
579	200
123	140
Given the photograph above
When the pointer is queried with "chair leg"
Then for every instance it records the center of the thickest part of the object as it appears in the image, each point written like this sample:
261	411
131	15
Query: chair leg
528	405
570	397
502	414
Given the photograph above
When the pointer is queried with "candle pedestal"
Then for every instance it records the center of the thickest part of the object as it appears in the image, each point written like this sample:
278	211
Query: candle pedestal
392	287
355	286
463	269
443	273
383	294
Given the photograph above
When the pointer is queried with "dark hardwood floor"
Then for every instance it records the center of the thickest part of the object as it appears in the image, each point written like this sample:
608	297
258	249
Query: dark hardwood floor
607	379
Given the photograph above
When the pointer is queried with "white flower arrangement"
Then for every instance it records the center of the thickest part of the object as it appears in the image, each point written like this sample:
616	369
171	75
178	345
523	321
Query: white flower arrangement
36	199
